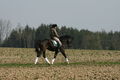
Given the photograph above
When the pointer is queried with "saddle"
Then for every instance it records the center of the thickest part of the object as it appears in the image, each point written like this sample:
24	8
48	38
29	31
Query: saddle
54	43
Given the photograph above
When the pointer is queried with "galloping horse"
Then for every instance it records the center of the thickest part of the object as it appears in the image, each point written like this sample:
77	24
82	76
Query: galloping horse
41	47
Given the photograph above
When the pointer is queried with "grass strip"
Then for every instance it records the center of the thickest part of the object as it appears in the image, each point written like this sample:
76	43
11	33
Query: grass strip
60	64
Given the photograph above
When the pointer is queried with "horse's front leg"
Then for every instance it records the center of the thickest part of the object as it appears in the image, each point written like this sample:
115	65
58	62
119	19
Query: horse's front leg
63	53
46	59
56	52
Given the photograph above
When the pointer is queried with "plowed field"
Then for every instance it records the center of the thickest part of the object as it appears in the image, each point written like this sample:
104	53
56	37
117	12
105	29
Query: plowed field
18	64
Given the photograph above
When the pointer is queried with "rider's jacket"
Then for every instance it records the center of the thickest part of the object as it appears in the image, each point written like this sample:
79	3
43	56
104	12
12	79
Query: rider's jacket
53	33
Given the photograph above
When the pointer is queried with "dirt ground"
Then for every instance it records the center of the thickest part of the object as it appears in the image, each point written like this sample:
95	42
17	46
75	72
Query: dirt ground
11	56
61	73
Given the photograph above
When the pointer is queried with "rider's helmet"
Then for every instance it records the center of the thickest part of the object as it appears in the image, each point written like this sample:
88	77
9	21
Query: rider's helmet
53	25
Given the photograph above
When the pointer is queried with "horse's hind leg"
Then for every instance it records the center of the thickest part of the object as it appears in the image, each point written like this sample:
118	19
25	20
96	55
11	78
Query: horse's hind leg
38	55
46	59
56	52
63	53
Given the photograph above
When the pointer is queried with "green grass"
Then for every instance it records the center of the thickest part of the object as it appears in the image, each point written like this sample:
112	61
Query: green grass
60	64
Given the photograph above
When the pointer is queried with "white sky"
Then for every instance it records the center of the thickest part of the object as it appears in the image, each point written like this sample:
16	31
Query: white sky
93	15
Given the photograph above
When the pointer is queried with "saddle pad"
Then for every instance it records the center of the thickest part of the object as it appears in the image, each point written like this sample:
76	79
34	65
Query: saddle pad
54	43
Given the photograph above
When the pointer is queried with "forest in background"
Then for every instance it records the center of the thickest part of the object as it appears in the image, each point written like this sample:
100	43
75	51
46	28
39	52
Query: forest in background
25	37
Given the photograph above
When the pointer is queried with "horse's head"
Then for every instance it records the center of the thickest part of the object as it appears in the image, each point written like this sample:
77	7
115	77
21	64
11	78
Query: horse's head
66	40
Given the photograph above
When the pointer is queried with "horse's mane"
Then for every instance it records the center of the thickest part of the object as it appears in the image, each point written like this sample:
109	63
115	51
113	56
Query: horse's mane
66	37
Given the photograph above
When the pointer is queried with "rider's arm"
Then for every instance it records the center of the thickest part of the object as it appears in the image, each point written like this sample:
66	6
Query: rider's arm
56	34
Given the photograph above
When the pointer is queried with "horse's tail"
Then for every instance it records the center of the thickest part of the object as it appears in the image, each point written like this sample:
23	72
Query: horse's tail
37	46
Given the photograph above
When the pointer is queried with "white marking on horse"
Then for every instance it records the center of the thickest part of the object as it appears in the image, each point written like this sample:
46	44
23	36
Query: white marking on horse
36	60
53	60
67	60
47	60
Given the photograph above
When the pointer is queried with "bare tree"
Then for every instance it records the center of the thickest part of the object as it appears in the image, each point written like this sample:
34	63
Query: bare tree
5	29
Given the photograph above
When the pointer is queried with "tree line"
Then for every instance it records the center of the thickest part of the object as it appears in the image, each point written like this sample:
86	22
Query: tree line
83	39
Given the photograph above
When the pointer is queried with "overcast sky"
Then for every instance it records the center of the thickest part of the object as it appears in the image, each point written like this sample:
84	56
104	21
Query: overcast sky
94	15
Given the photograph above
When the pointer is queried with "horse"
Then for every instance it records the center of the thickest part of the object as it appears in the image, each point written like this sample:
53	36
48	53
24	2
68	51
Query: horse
42	45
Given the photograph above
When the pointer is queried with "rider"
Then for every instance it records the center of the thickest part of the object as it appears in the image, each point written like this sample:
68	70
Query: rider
54	35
